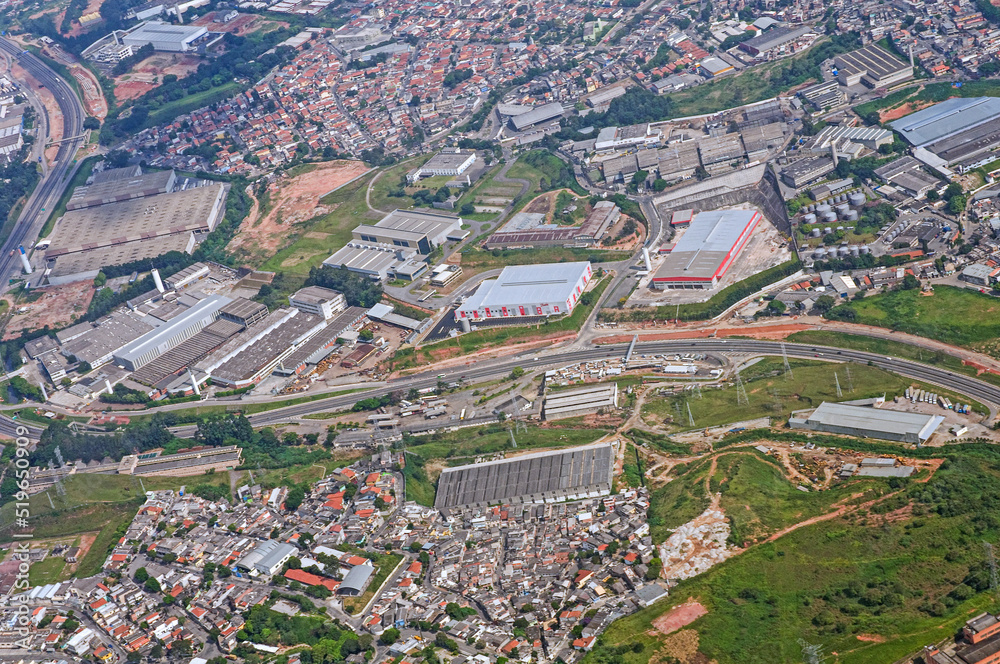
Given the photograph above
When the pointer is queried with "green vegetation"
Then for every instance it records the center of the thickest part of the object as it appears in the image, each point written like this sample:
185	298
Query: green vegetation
772	393
467	343
712	307
313	240
46	571
492	438
385	563
891	348
953	315
929	93
19	178
419	487
831	582
488	260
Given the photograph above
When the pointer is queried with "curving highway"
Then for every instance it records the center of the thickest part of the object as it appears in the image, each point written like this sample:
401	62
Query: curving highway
48	191
967	385
961	383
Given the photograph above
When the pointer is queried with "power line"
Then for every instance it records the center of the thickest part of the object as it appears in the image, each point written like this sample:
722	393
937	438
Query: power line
690	416
784	356
741	391
837	381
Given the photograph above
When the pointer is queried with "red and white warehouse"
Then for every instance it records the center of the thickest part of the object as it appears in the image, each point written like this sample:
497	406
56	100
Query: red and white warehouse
706	250
528	290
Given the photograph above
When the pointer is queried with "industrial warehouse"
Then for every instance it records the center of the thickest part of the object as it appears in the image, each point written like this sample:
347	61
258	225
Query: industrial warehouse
706	250
398	244
872	65
866	422
543	477
957	133
527	290
584	401
141	217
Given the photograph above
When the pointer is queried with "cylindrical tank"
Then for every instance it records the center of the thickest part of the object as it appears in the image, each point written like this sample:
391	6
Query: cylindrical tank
809	219
829	216
825	207
843	251
865	250
840	228
855	251
816	232
842	208
810	208
827	230
819	253
851	215
466	325
857	199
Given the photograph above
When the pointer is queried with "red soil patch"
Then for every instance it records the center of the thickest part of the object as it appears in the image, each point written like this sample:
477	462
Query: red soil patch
294	201
240	25
77	29
679	616
93	97
55	308
132	90
770	332
870	638
900	111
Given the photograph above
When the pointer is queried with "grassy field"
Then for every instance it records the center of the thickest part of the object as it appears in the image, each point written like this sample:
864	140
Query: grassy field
953	315
890	348
931	92
772	393
385	563
389	180
46	571
861	586
94	503
79	178
350	211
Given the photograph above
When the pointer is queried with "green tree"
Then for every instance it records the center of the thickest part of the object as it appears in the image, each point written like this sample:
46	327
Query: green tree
389	636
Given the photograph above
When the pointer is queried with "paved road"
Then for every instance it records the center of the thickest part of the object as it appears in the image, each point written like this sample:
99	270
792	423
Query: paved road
972	387
47	193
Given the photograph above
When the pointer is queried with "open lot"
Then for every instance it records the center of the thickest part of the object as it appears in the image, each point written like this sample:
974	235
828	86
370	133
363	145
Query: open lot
54	306
291	225
953	315
835	582
773	393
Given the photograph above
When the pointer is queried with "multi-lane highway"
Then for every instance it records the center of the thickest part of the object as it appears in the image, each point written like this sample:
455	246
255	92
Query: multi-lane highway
48	191
966	385
960	383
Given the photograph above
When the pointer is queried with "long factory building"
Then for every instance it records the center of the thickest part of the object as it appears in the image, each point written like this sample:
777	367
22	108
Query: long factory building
706	250
528	290
543	477
866	422
570	403
960	133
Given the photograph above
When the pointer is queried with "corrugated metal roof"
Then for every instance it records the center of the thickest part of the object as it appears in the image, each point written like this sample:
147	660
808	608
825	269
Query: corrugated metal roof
946	119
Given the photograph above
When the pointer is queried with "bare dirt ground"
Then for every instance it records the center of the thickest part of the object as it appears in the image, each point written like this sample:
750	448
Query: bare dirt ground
77	29
145	75
93	96
293	201
626	243
679	616
240	25
86	541
905	109
55	308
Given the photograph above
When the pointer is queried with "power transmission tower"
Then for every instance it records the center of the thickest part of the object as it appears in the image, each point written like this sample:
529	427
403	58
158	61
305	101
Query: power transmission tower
837	381
811	654
697	390
741	390
992	561
784	356
850	381
690	416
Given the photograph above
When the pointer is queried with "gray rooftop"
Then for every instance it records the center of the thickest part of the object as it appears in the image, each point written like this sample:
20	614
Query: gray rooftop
140	186
548	476
521	284
537	114
775	37
947	119
199	315
706	245
873	59
875	420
